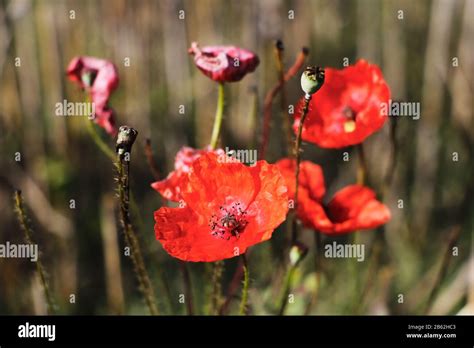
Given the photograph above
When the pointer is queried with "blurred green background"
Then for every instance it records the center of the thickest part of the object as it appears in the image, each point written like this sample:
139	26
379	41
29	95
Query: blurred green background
414	43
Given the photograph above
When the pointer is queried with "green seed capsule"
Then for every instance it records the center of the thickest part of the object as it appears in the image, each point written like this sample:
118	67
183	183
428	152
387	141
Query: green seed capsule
312	79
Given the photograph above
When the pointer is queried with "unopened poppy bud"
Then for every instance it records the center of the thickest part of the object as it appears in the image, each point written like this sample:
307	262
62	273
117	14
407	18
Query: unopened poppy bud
297	253
125	139
312	79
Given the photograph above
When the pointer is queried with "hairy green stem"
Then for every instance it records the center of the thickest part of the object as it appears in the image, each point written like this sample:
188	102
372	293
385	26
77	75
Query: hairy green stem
216	130
245	287
297	153
286	289
131	239
217	270
98	140
187	287
23	219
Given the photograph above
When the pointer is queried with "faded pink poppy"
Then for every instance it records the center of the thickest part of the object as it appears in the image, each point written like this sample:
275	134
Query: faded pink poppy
224	63
99	78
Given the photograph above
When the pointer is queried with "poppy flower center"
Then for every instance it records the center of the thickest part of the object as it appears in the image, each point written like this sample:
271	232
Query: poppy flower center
229	222
349	123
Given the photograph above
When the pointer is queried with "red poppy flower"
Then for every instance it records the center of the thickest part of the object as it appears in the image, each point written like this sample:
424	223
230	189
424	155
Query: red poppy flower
347	108
228	208
224	63
100	78
170	187
353	208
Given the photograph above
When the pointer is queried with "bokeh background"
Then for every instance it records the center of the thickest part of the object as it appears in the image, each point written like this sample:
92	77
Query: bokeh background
424	49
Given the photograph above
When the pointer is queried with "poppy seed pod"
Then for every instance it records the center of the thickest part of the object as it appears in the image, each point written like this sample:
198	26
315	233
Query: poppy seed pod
312	79
125	139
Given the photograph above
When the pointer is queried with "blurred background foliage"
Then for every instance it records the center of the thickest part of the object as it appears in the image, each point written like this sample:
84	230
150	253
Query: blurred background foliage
414	43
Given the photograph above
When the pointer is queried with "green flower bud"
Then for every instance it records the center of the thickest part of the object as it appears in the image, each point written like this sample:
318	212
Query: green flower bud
297	253
312	79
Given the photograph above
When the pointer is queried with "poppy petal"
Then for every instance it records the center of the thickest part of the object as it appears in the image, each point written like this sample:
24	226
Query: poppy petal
213	183
184	235
355	207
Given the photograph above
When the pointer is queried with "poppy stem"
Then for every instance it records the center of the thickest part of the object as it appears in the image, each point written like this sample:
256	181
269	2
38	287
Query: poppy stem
317	272
297	153
453	238
362	169
286	290
187	287
151	160
271	94
393	158
216	130
125	141
297	253
279	50
234	284
98	140
217	269
23	220
245	287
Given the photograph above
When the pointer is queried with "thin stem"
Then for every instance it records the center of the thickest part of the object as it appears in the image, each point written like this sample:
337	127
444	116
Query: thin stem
216	130
234	284
217	269
245	287
253	116
98	140
317	272
23	219
279	50
371	271
393	157
286	289
131	239
453	237
187	287
297	154
271	94
151	160
362	169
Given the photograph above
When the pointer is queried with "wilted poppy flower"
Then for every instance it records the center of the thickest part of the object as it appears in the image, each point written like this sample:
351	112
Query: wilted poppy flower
228	208
224	63
99	77
347	108
353	208
170	187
